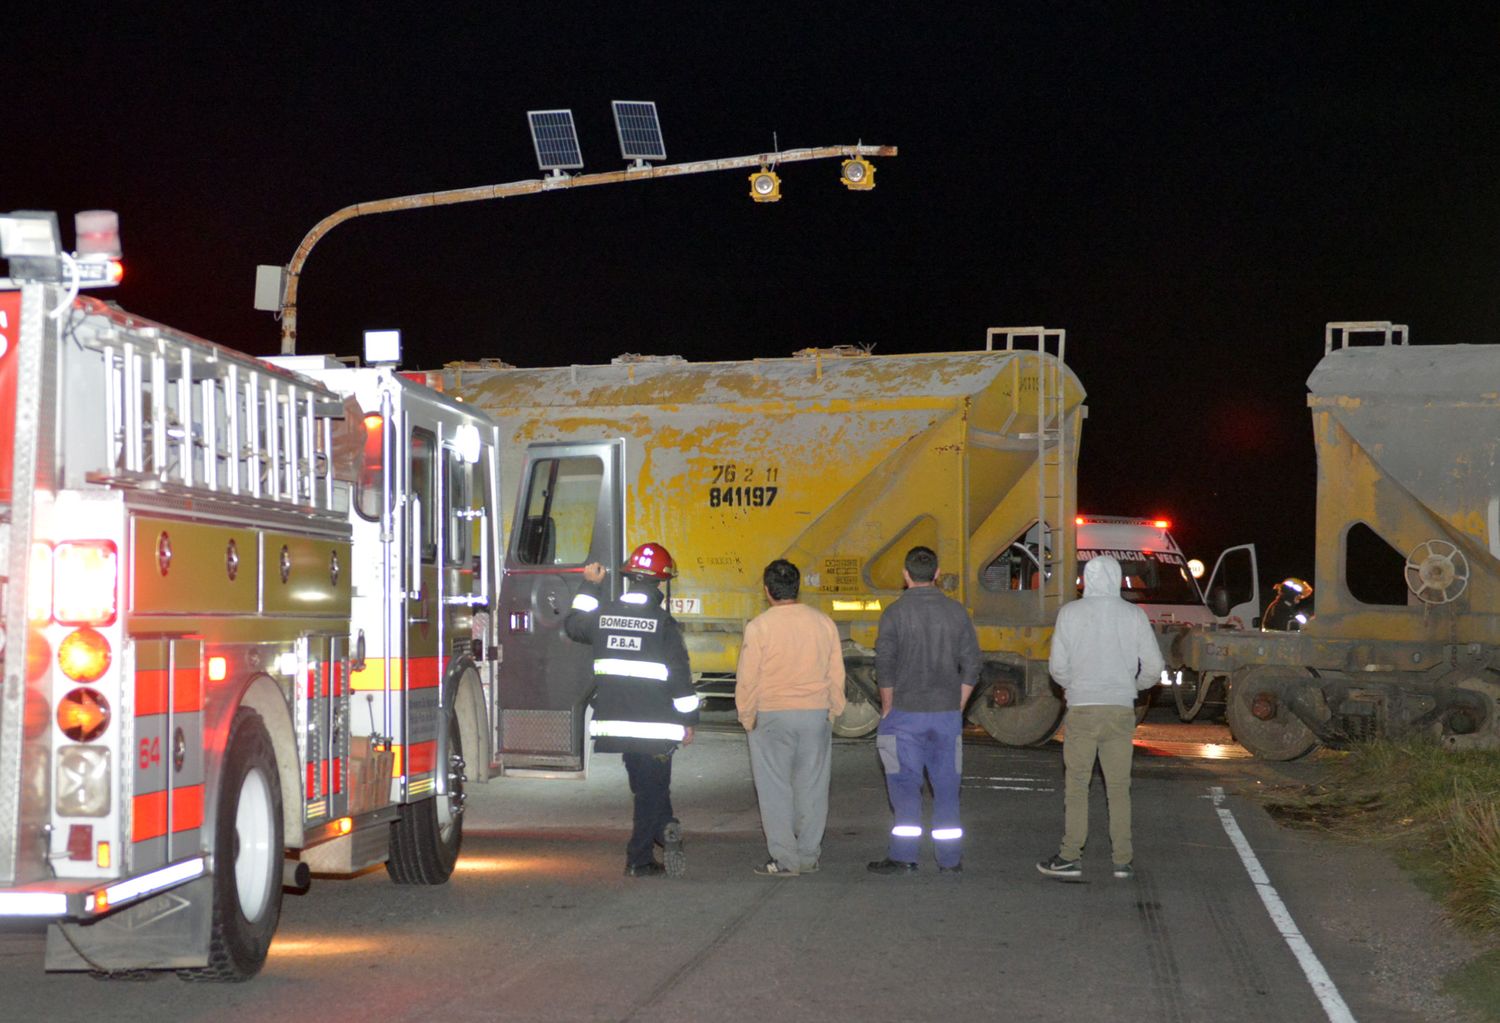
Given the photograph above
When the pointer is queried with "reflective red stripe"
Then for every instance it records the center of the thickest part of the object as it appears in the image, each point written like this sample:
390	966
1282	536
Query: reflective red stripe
150	692
148	813
187	690
311	780
423	673
420	756
338	770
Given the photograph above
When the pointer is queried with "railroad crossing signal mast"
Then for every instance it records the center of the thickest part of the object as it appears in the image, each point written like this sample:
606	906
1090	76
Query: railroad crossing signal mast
557	151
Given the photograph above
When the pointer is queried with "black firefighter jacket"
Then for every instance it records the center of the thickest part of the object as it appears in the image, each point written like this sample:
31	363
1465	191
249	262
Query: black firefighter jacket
643	697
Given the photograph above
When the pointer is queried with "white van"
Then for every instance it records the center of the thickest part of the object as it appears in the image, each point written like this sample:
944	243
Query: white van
1161	579
1163	582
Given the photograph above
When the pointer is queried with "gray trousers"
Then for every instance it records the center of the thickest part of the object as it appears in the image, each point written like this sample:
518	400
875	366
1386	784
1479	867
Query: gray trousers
791	760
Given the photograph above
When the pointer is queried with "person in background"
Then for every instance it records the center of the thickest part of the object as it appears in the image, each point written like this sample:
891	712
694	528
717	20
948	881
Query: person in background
789	687
1103	652
1290	609
644	702
927	662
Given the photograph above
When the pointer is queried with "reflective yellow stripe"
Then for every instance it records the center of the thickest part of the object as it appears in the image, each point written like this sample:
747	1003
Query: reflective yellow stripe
637	730
630	669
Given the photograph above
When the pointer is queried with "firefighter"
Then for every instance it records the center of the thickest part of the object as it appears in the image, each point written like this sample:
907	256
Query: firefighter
644	703
1290	609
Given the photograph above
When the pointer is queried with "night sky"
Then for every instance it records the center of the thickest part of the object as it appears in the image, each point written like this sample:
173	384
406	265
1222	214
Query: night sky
1191	192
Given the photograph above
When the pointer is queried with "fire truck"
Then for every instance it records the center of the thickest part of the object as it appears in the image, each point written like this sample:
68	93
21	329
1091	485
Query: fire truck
246	636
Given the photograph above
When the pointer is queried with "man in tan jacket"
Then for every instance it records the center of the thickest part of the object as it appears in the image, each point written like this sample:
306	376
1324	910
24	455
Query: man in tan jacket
790	687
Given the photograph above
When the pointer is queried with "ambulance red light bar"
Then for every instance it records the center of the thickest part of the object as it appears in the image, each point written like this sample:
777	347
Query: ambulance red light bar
1121	520
84	577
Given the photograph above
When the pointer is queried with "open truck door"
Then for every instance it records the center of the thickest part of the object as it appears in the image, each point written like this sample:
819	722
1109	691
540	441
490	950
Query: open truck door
570	512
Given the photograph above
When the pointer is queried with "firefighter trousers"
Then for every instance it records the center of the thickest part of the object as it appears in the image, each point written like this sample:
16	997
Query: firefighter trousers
651	784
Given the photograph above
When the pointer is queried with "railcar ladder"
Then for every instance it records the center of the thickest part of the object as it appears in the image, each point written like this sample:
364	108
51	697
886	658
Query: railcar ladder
180	412
1054	458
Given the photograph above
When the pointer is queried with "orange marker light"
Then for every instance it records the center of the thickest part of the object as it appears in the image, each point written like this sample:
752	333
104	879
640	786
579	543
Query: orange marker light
83	655
83	715
344	825
102	856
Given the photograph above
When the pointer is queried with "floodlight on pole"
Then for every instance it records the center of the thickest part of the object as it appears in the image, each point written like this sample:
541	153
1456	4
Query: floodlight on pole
765	186
557	156
857	174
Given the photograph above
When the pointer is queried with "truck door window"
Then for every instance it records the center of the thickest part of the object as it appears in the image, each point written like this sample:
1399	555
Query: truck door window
423	446
562	500
460	531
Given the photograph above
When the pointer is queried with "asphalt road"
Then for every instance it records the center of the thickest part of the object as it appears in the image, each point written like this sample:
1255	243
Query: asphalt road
539	924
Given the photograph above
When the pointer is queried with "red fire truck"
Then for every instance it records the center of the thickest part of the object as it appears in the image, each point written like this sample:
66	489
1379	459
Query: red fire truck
245	623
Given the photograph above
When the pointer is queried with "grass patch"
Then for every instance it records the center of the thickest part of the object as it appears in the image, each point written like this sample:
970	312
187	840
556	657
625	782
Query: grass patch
1475	985
1438	811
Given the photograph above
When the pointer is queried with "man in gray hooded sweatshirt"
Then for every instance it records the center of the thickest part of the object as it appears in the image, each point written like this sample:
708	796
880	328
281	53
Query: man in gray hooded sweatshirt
1103	653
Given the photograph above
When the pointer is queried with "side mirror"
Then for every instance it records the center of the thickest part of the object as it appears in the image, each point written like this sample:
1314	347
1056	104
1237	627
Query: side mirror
1218	601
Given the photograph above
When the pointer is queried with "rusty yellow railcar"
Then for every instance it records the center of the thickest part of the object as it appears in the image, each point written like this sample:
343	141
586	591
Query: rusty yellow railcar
1406	638
837	459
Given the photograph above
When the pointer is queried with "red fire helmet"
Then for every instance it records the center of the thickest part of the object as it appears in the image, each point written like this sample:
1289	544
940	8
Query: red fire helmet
650	561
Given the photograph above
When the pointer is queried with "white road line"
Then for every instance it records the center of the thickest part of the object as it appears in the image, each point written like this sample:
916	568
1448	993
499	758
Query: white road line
1317	976
1009	788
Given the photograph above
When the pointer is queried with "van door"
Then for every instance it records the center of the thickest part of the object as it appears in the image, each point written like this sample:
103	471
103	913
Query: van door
1236	576
570	512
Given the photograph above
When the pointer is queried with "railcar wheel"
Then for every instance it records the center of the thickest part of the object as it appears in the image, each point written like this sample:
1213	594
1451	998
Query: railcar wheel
1031	722
861	715
427	837
1261	722
247	856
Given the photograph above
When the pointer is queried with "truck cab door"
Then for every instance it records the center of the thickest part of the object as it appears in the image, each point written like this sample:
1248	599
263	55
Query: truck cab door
570	511
1235	584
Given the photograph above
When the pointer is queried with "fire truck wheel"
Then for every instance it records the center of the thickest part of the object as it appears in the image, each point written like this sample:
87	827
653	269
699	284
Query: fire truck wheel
248	855
1029	723
426	838
1259	719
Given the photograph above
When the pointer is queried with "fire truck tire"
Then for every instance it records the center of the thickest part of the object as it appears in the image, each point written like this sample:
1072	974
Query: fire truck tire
248	840
1030	723
426	838
1260	722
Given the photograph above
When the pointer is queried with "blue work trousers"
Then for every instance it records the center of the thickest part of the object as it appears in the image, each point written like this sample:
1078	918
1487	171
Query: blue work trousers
910	745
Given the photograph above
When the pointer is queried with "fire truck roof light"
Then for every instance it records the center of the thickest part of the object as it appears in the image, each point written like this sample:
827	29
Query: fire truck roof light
31	233
382	347
1162	524
97	233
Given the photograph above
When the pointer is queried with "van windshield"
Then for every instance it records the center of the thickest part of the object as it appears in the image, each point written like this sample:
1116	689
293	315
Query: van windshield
1149	577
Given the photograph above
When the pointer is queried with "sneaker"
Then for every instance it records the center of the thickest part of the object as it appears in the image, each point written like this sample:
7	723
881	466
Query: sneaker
1124	871
890	866
771	868
957	868
644	870
1068	870
810	868
673	858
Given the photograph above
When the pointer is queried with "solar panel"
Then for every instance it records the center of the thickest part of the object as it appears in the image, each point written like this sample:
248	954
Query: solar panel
556	140
639	130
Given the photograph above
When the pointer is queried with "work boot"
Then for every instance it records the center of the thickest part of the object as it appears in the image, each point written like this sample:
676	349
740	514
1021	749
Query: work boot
674	859
890	866
652	869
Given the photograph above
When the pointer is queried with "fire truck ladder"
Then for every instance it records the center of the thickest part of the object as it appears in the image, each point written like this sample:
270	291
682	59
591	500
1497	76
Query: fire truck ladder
181	412
1054	458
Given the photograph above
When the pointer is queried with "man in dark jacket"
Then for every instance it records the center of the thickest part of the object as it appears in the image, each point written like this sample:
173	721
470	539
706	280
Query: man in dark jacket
927	661
644	703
